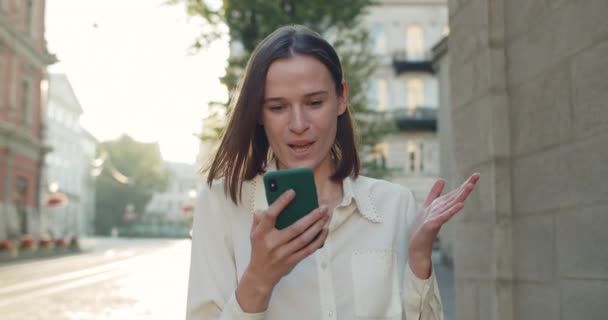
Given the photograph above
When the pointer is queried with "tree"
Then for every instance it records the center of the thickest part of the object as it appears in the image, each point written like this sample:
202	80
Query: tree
249	21
132	172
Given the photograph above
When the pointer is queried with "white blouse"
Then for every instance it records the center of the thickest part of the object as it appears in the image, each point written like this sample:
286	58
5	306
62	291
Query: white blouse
360	273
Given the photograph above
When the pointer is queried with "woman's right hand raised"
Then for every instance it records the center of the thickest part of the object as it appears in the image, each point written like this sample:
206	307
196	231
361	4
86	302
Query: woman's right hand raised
274	253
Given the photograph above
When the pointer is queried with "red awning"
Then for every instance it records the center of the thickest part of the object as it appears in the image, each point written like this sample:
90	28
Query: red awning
57	199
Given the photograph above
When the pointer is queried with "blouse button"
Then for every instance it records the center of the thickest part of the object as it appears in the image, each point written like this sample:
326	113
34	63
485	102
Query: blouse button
323	265
330	314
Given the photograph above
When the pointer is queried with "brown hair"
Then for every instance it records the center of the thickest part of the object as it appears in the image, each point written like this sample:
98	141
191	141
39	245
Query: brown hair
243	151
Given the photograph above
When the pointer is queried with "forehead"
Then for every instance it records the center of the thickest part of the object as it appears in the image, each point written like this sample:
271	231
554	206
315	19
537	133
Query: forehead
297	75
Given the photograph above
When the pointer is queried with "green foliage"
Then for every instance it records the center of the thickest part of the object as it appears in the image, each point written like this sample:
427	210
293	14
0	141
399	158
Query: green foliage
132	172
249	21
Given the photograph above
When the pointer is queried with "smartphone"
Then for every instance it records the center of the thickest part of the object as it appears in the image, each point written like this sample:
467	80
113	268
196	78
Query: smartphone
302	181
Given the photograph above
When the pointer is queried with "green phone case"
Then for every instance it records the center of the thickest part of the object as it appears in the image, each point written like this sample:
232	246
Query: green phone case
302	181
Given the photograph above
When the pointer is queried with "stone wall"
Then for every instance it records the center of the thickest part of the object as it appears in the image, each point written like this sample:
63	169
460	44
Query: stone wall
529	92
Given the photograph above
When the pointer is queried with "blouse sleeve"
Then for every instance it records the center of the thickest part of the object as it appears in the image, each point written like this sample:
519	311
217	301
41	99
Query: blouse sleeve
421	299
213	276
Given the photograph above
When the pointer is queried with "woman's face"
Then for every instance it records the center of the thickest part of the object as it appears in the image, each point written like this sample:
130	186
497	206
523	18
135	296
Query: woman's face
300	112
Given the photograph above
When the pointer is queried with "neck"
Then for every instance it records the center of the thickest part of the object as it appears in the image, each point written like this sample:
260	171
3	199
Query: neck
329	192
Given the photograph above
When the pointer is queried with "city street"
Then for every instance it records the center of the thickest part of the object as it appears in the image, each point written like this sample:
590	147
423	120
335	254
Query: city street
120	279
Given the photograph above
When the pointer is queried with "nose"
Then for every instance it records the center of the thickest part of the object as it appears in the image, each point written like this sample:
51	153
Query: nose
298	122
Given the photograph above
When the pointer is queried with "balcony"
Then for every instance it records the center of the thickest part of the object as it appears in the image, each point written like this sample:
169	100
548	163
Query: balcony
404	62
414	119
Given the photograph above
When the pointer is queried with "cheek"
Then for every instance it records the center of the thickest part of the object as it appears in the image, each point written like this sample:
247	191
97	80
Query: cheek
273	132
328	128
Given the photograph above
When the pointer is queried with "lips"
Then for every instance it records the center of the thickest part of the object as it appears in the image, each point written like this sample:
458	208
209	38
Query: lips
300	148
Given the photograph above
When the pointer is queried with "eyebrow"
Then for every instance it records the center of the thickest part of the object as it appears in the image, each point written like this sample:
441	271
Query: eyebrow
306	95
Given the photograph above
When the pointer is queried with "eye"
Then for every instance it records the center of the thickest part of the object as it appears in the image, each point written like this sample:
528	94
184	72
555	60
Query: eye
275	108
316	102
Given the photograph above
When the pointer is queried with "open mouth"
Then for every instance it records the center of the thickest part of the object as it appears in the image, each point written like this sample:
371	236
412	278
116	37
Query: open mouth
300	148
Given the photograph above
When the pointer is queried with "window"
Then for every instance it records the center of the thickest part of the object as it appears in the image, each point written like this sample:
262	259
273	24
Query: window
26	102
380	154
412	161
2	71
421	157
12	88
378	39
414	42
377	97
411	151
30	17
415	93
372	93
382	95
67	120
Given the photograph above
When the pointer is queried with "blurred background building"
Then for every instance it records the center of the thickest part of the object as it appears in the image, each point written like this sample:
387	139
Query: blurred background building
23	61
404	86
69	165
173	203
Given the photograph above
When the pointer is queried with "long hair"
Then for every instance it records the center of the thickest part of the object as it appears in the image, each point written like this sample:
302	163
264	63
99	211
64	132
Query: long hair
243	151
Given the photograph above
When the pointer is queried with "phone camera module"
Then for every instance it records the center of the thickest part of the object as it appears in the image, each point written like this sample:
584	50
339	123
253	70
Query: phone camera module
272	184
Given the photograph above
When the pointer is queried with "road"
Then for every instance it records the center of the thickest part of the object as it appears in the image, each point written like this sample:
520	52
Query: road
119	279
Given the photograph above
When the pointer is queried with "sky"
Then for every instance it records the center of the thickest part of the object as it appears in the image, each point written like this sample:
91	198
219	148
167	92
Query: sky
132	70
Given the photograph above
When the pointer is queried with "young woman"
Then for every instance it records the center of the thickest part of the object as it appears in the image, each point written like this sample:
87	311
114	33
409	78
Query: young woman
291	110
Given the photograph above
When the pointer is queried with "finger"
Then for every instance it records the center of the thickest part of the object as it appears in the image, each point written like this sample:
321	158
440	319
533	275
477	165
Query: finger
458	194
275	209
448	196
303	224
304	239
446	216
310	248
455	195
474	178
458	197
435	192
465	193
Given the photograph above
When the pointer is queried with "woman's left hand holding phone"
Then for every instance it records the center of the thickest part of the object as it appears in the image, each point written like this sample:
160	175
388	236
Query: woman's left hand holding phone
274	253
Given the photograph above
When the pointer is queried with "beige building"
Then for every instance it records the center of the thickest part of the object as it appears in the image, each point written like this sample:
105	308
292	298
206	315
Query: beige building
526	106
404	85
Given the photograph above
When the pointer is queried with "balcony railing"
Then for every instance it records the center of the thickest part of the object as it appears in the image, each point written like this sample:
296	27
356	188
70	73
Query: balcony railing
414	119
408	62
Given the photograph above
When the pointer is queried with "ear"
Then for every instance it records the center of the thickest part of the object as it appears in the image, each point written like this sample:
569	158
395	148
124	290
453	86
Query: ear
343	100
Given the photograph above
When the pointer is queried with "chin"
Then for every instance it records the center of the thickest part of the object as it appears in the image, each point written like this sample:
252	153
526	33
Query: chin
305	163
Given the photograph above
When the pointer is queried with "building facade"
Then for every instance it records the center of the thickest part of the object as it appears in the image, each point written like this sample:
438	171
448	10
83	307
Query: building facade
69	165
23	62
528	87
404	86
182	186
